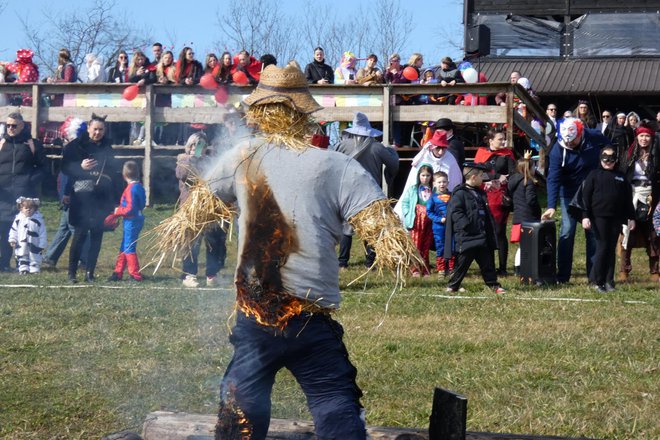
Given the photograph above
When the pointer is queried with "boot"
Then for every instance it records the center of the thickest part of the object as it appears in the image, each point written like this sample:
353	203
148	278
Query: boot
133	266
89	277
440	265
120	265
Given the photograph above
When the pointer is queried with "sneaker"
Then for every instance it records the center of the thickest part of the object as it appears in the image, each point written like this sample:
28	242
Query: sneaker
190	281
609	287
500	290
600	289
23	272
212	281
459	290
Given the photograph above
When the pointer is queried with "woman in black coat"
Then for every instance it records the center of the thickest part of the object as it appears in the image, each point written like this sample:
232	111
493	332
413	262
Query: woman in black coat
89	163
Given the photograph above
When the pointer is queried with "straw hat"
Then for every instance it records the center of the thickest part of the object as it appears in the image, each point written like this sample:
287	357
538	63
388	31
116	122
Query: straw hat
287	85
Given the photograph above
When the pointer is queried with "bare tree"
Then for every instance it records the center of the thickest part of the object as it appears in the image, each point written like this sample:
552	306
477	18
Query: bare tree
93	30
392	22
259	27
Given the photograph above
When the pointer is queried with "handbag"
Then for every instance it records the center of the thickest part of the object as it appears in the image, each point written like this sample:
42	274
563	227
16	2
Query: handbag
576	207
89	185
642	212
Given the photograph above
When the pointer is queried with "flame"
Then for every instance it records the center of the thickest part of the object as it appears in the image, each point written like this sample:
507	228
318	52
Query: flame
232	422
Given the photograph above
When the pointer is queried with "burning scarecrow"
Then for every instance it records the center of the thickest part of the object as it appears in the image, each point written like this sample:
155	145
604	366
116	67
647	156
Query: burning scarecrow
293	198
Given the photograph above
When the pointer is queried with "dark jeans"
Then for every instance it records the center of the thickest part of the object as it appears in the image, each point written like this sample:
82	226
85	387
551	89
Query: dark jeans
60	240
216	252
567	242
345	244
311	348
607	230
486	262
6	250
79	237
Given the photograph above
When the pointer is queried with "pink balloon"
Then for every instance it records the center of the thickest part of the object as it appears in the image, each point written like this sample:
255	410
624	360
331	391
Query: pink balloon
239	78
221	95
208	82
410	73
130	92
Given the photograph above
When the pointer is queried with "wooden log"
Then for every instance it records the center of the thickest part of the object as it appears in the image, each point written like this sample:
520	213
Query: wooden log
163	425
166	425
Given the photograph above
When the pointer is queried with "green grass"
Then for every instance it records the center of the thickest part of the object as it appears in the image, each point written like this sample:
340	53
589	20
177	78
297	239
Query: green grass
77	362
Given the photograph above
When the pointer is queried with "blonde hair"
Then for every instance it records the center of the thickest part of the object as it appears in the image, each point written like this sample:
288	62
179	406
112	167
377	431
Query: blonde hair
414	57
160	68
133	69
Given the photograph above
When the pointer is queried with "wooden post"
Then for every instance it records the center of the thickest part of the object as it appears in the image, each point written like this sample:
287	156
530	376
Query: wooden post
448	416
148	136
509	116
386	132
34	132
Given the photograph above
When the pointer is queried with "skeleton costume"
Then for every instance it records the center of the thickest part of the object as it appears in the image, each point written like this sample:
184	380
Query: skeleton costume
29	236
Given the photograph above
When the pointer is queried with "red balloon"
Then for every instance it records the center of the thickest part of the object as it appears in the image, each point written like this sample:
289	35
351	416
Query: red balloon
239	78
221	95
410	73
130	92
208	82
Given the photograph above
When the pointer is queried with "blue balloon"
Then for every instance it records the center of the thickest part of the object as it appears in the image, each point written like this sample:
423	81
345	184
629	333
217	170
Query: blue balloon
464	65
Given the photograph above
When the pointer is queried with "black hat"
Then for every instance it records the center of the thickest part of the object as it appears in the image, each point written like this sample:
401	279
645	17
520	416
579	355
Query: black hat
470	166
444	124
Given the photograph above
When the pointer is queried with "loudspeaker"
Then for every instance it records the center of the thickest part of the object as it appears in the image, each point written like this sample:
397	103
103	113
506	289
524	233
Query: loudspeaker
537	253
477	40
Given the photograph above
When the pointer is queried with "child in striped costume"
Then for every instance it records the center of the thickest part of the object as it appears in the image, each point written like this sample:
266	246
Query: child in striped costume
28	236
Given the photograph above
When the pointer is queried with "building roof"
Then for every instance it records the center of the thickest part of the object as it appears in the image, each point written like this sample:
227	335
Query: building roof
609	76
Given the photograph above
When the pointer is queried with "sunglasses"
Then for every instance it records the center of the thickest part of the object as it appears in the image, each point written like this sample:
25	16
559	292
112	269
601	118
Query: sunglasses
606	116
12	125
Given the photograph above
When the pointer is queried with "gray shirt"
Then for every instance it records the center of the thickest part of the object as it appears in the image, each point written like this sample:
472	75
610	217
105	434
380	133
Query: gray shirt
372	155
292	206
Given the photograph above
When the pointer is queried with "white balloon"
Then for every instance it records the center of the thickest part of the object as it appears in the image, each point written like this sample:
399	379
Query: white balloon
470	75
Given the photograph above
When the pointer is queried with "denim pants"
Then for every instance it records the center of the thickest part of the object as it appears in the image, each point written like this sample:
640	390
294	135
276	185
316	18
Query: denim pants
345	244
216	251
567	242
311	347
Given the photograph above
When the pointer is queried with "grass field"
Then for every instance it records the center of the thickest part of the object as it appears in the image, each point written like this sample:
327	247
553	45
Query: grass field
78	362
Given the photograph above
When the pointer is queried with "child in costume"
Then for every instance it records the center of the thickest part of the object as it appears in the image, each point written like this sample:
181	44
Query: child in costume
413	204
28	236
608	206
436	209
346	73
471	224
133	201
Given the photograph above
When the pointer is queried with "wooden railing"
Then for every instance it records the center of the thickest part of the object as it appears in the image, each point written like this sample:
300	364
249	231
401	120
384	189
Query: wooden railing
340	104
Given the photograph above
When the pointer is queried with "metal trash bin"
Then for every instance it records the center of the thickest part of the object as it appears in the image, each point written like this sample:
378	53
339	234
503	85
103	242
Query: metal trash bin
538	256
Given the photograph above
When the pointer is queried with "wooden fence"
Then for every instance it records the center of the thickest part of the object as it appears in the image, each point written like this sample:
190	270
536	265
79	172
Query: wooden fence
196	105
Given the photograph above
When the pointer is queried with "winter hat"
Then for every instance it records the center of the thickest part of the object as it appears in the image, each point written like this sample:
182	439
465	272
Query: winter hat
524	82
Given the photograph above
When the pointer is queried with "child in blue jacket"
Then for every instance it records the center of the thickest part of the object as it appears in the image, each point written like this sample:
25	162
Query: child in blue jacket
436	209
133	201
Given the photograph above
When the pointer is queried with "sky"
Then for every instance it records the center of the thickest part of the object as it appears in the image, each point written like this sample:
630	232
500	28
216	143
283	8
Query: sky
430	30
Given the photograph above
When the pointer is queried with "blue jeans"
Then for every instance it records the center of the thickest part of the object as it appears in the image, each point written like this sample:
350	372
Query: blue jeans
567	242
215	239
311	347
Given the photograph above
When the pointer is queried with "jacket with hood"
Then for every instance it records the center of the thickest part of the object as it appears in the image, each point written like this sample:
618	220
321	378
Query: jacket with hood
569	167
21	171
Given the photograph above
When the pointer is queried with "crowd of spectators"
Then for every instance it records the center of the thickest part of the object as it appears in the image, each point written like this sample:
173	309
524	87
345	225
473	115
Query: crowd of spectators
581	137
